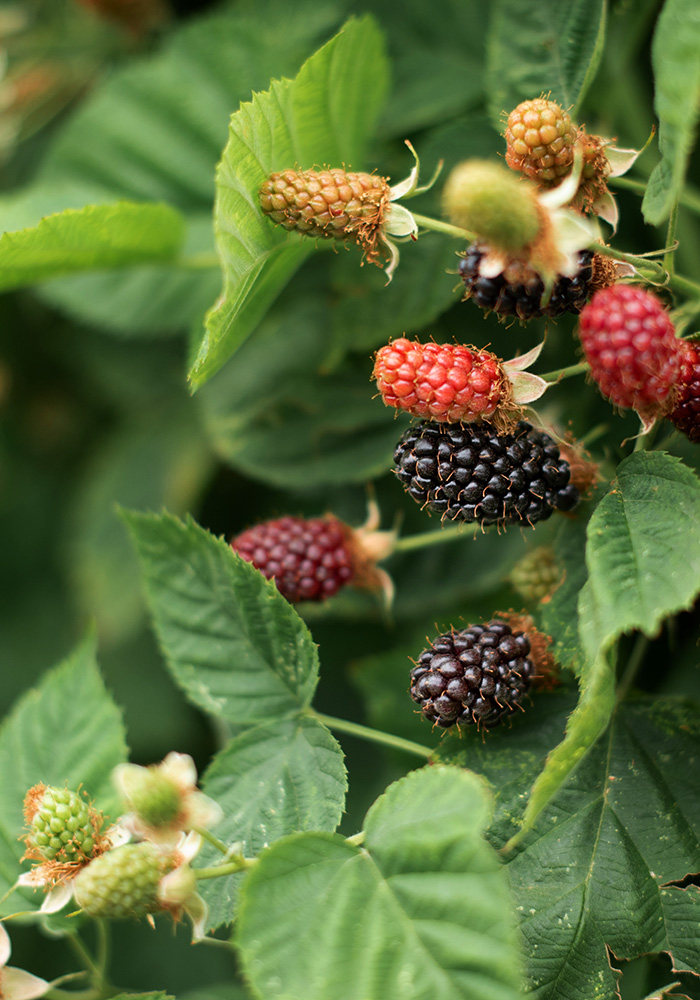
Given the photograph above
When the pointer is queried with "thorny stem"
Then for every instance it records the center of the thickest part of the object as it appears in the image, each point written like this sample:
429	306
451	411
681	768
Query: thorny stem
427	538
373	735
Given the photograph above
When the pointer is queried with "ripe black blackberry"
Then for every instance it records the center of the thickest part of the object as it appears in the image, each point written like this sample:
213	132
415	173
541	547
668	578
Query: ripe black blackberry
473	677
472	473
517	290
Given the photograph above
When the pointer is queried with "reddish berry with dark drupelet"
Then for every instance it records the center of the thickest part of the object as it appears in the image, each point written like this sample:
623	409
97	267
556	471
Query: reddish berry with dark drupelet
309	559
686	411
476	676
445	382
630	343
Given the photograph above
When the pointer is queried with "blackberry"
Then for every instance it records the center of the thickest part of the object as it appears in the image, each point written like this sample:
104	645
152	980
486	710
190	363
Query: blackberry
123	882
518	289
473	677
686	411
61	826
472	473
309	559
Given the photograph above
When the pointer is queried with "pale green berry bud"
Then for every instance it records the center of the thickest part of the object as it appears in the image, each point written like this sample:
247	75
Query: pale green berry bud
490	202
123	882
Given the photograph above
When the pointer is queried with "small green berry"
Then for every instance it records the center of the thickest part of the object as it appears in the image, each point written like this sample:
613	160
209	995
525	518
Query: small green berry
122	883
489	201
61	828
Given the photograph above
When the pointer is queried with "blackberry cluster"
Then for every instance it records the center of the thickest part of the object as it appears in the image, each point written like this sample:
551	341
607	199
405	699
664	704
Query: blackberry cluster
474	677
472	473
518	289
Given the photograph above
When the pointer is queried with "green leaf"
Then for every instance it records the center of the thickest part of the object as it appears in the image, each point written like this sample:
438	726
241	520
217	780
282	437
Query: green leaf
643	551
324	116
161	461
600	864
643	560
551	47
232	642
279	778
153	130
595	871
422	910
93	238
66	731
675	57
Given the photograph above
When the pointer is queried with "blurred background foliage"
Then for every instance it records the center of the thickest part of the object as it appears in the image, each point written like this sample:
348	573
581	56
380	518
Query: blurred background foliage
108	99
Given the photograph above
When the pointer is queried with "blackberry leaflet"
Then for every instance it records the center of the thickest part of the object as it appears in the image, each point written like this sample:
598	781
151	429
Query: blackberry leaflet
473	677
518	289
472	473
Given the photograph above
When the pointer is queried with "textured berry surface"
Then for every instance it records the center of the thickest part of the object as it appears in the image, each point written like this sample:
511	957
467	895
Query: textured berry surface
61	828
629	342
309	559
518	289
156	799
537	575
121	883
445	382
472	473
686	412
540	138
331	204
473	677
488	200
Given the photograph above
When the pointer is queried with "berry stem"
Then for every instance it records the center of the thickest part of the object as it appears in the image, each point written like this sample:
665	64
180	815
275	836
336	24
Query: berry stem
443	227
561	373
373	735
427	538
211	839
671	239
241	864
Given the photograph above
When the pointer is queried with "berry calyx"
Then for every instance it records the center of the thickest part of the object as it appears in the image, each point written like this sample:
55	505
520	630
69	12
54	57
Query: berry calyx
123	882
686	410
475	676
630	344
475	474
540	138
311	559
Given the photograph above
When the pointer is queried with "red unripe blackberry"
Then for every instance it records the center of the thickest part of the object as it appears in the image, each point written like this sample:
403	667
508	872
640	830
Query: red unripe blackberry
473	677
686	412
309	559
540	139
473	473
446	382
630	343
518	289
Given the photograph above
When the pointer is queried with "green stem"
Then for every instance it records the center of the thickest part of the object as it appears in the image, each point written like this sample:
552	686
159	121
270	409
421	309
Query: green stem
688	199
211	839
103	947
374	735
561	373
428	538
443	227
241	864
86	958
670	239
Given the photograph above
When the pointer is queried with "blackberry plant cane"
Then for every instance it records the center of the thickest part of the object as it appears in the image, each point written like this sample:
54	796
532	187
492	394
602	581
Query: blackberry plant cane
511	828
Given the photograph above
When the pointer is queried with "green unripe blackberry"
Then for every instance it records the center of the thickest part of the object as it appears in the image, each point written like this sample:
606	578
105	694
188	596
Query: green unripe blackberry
122	883
537	575
486	199
61	828
155	799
